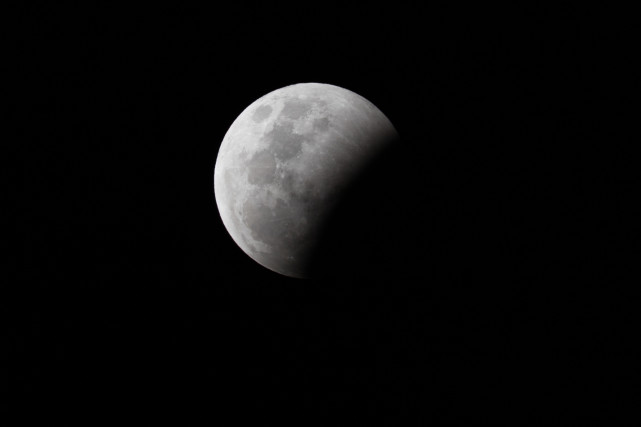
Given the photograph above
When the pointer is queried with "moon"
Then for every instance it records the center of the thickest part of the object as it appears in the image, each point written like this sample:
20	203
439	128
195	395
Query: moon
283	164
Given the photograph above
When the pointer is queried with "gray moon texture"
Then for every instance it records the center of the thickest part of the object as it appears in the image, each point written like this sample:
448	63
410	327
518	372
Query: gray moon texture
283	163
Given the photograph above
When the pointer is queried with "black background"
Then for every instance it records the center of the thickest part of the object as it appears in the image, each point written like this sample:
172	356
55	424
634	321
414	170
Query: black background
503	233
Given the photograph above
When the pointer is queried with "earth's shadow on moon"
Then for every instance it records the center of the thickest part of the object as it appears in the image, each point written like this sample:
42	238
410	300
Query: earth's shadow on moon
375	231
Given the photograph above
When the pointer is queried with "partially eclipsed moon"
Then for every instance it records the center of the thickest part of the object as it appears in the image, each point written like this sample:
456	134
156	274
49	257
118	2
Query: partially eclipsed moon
283	163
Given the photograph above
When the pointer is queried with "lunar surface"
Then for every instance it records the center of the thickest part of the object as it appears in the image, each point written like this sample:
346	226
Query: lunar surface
283	164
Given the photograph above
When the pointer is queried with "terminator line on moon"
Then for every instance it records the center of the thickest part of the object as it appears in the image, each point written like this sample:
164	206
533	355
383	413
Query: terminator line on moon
283	163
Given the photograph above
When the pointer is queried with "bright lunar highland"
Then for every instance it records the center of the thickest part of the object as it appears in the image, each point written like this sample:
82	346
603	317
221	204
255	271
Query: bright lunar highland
283	164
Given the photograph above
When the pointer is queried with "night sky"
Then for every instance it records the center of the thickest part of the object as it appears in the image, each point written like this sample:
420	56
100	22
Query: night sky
486	270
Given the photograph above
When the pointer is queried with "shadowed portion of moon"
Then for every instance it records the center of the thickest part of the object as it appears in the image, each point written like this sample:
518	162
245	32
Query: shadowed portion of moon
373	230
